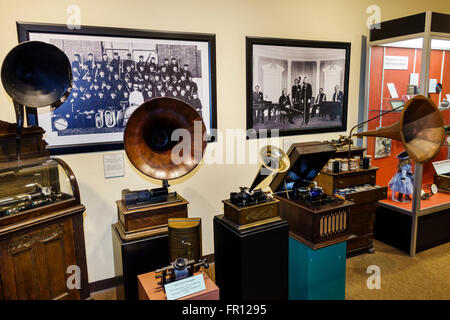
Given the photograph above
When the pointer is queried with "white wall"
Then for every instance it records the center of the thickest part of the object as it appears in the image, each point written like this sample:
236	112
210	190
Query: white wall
231	21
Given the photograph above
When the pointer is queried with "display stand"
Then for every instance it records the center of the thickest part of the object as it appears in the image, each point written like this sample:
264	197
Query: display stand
251	264
149	289
134	257
409	54
316	274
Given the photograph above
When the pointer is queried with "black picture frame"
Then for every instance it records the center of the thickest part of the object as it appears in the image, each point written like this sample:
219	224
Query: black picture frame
284	45
24	29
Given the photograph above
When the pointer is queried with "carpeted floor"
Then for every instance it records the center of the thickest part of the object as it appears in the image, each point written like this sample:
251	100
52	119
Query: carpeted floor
426	276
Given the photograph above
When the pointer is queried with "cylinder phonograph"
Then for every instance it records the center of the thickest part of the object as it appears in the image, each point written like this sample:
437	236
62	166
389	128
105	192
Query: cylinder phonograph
149	145
152	146
41	214
250	206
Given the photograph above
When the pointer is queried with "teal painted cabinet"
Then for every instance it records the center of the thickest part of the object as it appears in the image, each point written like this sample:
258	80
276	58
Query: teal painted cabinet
316	274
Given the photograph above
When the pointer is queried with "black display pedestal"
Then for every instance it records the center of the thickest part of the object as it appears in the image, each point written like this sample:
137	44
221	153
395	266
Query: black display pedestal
132	258
251	264
394	228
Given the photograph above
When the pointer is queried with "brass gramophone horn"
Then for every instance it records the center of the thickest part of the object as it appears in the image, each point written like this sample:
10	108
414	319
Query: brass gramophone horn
273	160
35	74
420	129
147	137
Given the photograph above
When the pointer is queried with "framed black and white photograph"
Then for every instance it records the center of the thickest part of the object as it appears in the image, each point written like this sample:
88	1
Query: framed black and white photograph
297	86
115	71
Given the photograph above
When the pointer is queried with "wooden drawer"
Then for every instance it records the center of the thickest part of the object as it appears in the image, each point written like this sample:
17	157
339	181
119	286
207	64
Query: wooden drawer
363	208
360	242
362	228
368	196
362	218
355	180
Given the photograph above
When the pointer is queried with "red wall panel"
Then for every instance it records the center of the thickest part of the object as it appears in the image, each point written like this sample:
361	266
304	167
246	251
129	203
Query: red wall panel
388	165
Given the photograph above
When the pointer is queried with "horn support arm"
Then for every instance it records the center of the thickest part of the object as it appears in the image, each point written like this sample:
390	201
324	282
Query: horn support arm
363	123
19	118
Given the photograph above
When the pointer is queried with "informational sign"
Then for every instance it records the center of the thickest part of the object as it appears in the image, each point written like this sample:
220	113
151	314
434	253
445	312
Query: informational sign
395	62
432	86
392	90
113	165
414	79
442	167
184	287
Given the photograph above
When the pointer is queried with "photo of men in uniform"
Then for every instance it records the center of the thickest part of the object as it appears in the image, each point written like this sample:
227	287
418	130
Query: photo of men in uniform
111	80
298	87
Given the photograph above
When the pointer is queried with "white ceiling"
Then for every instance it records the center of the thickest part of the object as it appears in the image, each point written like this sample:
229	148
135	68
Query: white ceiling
436	44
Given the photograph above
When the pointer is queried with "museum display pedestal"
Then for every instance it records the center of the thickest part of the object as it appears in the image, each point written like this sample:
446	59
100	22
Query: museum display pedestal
393	224
149	289
316	274
251	264
135	257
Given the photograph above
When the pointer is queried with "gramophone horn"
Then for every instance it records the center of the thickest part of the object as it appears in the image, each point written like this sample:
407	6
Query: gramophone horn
147	137
36	74
273	160
420	129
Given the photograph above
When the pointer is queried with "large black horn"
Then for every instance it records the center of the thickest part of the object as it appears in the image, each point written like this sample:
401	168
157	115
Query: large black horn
35	74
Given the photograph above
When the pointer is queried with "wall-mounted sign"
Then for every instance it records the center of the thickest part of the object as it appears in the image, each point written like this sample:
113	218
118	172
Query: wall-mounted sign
395	62
113	165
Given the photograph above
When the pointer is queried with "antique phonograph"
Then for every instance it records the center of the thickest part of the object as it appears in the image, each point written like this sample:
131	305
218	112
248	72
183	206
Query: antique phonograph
150	148
41	215
148	145
142	229
179	269
250	207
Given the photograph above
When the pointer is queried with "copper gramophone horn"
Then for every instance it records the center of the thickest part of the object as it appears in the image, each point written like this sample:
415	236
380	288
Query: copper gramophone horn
147	138
35	74
420	129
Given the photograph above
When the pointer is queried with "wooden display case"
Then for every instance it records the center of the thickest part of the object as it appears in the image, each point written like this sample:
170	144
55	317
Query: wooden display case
41	222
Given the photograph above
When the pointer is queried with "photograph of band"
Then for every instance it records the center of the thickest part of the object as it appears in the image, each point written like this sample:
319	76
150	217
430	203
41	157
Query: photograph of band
297	88
110	82
113	76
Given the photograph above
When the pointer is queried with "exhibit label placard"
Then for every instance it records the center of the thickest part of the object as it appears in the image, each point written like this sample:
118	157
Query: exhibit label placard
113	165
185	287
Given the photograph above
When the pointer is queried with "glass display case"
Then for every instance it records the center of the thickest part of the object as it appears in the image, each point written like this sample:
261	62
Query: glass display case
34	185
407	57
41	221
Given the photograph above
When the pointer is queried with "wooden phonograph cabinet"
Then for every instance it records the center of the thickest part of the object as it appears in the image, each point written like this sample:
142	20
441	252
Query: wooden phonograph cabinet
315	217
42	249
